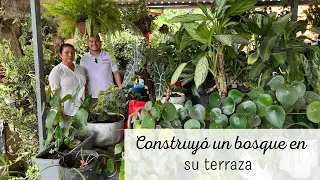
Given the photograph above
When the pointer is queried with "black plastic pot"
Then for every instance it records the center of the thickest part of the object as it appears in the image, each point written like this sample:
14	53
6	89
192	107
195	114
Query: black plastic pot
71	169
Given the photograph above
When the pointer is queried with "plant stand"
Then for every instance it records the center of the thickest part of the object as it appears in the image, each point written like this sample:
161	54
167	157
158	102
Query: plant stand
49	168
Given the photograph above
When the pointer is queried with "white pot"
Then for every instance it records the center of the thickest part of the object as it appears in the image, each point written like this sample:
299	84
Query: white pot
176	100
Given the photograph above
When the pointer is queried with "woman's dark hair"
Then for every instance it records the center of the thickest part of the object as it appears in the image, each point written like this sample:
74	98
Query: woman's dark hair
65	45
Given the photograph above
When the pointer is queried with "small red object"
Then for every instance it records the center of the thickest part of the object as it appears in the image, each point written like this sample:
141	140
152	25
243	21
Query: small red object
133	106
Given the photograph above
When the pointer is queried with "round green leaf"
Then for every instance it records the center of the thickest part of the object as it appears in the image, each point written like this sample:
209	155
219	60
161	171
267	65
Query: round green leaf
277	82
176	123
313	112
155	112
214	113
228	106
299	87
265	100
235	95
300	104
80	118
188	105
197	112
192	124
148	122
215	126
310	97
271	93
148	106
169	112
247	108
238	121
286	96
183	113
214	100
253	57
110	165
275	115
255	93
254	121
165	124
222	120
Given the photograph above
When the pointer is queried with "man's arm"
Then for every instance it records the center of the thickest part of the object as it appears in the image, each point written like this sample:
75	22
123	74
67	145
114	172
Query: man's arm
117	77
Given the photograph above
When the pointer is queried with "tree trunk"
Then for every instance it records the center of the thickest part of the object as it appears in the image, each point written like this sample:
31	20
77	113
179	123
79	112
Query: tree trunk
222	77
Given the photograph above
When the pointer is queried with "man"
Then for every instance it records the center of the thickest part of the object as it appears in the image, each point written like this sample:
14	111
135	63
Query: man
99	68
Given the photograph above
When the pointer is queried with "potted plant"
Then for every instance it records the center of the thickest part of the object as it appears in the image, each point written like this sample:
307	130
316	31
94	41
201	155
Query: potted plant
63	132
96	15
107	117
80	165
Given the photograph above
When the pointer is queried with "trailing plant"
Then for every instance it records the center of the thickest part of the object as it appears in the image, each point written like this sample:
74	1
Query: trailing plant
215	32
62	129
97	15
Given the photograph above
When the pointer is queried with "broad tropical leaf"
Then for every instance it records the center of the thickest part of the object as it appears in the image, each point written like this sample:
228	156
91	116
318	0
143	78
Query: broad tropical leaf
240	7
266	48
201	71
177	73
187	18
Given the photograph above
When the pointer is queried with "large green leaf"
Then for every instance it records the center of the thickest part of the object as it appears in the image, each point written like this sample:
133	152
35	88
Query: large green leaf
256	69
169	112
192	124
255	93
188	105
177	73
55	100
313	112
240	7
253	57
65	125
310	97
204	10
239	39
238	121
287	96
266	47
253	27
148	122
224	39
228	106
279	26
280	57
159	77
265	100
277	82
214	100
201	71
247	108
203	31
80	118
275	115
190	28
185	42
299	87
220	5
222	120
51	115
183	113
187	18
197	112
235	95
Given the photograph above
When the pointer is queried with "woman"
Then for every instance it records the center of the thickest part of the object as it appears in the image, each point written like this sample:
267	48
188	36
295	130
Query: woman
67	77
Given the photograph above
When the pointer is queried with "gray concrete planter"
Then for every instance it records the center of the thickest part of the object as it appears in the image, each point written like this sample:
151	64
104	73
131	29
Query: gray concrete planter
49	168
107	133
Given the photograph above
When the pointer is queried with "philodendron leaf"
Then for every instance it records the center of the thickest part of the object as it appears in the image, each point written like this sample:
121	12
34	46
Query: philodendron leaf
80	118
201	71
177	73
313	112
253	57
169	112
300	104
241	6
222	120
65	125
310	97
265	100
254	121
247	108
238	121
192	124
228	106
214	113
275	115
287	96
183	113
197	112
224	39
215	126
277	82
299	87
214	100
148	122
55	100
235	95
255	93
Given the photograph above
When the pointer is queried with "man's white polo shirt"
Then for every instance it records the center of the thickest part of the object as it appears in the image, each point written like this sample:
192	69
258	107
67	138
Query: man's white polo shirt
99	71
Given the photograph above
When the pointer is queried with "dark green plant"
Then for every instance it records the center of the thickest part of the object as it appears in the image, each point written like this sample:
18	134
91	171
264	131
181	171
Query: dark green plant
313	14
97	15
62	129
311	66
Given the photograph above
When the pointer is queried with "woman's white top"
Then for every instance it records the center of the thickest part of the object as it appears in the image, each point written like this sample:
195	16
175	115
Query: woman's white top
68	81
